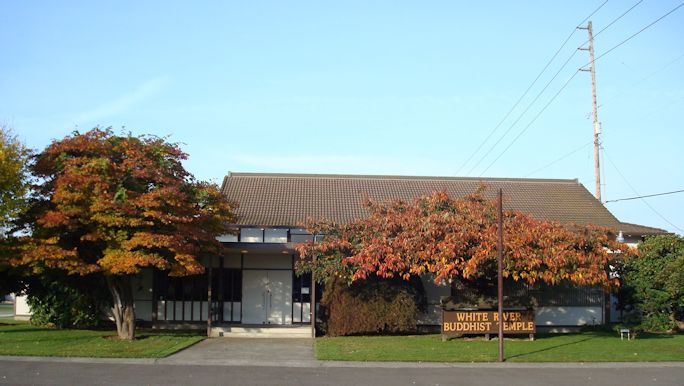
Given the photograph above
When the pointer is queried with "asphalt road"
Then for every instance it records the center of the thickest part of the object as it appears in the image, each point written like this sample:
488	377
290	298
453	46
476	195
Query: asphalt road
25	372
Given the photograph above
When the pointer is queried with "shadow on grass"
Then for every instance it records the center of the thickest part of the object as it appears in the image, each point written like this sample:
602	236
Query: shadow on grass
549	348
26	330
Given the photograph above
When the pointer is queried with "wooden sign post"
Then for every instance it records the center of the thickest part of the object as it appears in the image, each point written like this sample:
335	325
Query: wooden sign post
499	247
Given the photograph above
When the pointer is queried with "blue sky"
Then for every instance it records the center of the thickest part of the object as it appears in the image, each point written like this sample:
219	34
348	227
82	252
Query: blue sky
367	87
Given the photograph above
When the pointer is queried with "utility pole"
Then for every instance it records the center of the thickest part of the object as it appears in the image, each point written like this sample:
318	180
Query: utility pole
594	107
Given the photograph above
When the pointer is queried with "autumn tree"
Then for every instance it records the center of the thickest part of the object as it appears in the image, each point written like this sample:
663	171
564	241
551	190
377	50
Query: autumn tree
113	205
456	239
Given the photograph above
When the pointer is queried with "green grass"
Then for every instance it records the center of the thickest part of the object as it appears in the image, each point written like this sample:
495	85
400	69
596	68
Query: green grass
584	347
6	308
21	338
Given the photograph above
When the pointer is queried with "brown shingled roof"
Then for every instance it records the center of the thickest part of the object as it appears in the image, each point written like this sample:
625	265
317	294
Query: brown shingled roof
290	199
630	229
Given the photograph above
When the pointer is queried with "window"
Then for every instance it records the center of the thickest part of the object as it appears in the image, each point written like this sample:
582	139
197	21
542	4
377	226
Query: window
252	235
232	285
181	288
228	238
299	235
275	236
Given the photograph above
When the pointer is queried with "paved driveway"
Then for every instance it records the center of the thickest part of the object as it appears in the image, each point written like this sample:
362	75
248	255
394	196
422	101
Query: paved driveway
290	352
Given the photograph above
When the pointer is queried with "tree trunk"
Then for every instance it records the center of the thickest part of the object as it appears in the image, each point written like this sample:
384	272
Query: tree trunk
124	313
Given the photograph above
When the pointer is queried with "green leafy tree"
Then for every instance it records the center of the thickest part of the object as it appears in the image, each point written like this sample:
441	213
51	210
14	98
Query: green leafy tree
113	205
14	185
60	300
14	158
654	278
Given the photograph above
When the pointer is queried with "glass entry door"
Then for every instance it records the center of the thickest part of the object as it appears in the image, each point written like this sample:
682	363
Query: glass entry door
266	296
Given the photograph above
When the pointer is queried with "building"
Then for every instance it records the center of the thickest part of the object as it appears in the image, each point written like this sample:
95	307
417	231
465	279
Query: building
254	283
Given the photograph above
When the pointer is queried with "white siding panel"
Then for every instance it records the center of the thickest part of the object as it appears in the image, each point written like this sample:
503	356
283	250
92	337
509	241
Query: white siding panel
568	316
196	310
187	311
236	311
226	311
21	308
296	312
306	313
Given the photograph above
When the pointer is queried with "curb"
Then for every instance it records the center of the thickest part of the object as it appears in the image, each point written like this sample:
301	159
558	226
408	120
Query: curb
341	364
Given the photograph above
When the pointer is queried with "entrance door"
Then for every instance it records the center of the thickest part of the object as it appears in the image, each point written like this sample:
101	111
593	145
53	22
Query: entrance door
266	296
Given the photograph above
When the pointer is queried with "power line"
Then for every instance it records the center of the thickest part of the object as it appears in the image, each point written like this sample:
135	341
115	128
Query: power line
662	68
539	95
531	122
529	106
616	19
637	193
648	195
558	159
566	83
636	33
528	89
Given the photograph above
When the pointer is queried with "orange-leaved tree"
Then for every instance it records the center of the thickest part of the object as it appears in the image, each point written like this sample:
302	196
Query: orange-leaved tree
113	205
456	238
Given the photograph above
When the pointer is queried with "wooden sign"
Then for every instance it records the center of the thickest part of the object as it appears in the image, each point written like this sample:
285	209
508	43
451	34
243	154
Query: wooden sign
487	322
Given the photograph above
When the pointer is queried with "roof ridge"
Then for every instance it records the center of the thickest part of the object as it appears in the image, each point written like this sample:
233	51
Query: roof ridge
396	177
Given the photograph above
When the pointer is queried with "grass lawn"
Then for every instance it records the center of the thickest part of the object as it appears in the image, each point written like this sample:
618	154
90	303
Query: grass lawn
6	308
584	347
20	338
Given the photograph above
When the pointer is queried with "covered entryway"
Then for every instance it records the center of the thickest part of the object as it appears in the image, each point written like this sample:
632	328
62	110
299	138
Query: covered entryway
267	296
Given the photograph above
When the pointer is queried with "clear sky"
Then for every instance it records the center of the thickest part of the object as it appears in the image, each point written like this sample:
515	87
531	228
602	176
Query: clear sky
362	87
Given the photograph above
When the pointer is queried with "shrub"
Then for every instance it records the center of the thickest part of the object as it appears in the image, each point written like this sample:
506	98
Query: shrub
653	283
371	306
66	302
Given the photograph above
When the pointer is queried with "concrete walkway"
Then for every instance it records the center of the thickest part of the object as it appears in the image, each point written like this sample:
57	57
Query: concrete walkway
284	352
